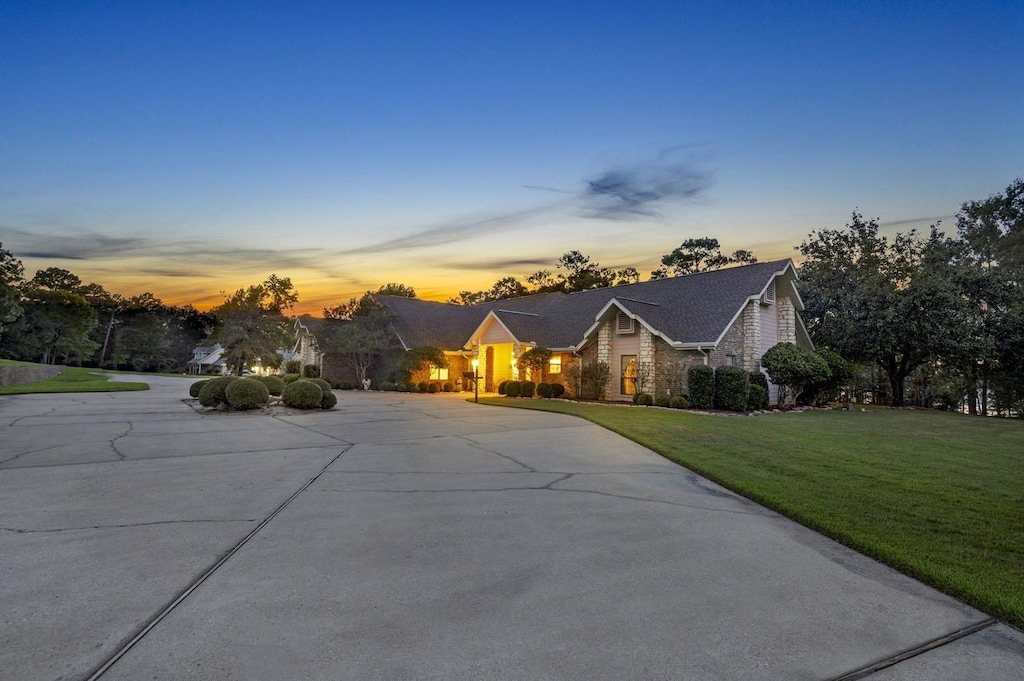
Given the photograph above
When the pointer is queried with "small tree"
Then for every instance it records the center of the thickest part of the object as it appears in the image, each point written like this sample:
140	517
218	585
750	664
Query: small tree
793	369
421	358
535	359
594	379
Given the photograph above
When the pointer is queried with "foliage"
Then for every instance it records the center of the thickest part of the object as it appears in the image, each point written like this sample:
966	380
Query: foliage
291	378
212	393
934	495
433	388
359	334
423	386
421	358
544	390
501	387
732	385
536	361
572	374
679	402
193	390
645	399
246	393
594	379
840	373
757	398
512	389
794	370
11	272
663	401
72	380
302	394
701	381
329	400
324	385
311	371
253	323
447	387
56	321
293	366
527	388
557	389
275	384
699	255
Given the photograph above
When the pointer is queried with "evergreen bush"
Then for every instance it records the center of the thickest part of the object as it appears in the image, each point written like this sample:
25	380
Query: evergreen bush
275	384
246	393
291	378
423	386
310	371
302	395
663	401
512	389
387	386
701	381
324	385
212	394
732	385
447	387
501	387
645	399
432	388
544	390
679	402
193	390
527	388
757	398
328	400
557	389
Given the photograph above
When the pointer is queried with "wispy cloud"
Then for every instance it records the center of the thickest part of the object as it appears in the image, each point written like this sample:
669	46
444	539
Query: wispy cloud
916	221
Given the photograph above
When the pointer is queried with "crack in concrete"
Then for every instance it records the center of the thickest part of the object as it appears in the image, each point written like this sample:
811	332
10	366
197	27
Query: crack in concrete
280	418
113	443
17	530
479	446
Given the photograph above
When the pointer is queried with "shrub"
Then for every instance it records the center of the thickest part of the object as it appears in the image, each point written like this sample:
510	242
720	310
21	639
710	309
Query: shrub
291	378
759	379
757	398
432	388
594	378
701	381
310	371
324	385
794	369
512	388
645	400
302	395
557	389
447	387
527	388
402	387
387	386
636	398
412	388
212	394
247	393
345	385
423	386
501	387
544	390
679	402
732	385
193	390
292	366
275	386
663	401
328	400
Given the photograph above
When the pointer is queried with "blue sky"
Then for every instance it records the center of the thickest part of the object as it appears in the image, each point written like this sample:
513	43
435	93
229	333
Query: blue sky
191	148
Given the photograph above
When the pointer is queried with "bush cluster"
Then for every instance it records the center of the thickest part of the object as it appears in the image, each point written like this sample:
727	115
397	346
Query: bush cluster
310	371
291	378
212	392
732	384
275	384
557	390
701	381
502	388
663	401
544	390
302	395
193	390
645	399
526	389
679	402
512	388
246	393
757	398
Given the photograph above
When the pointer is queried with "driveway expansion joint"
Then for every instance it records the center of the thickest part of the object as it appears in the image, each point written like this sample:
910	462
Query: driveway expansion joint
17	530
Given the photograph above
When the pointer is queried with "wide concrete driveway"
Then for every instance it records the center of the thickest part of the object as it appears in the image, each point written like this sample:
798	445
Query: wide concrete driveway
421	537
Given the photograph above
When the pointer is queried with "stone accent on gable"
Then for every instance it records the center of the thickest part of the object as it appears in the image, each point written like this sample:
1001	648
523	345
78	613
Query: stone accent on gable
787	321
604	342
646	355
751	321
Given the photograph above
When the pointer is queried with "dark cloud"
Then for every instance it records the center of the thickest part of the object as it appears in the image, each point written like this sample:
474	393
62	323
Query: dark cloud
497	265
90	246
916	221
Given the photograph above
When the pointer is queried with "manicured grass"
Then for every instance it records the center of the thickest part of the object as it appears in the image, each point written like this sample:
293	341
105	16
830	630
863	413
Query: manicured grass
937	496
72	380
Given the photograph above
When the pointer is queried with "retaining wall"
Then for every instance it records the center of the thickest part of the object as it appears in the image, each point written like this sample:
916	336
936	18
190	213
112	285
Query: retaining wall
15	374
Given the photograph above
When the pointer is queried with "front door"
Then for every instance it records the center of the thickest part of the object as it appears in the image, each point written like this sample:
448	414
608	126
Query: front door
489	370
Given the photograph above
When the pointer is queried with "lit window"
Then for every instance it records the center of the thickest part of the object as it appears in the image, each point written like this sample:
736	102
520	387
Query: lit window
437	374
555	365
627	379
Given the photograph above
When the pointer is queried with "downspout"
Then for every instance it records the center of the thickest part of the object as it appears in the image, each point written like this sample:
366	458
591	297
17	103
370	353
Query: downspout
706	356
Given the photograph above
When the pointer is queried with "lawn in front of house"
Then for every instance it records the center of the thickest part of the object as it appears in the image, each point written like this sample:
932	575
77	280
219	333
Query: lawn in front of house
71	380
938	496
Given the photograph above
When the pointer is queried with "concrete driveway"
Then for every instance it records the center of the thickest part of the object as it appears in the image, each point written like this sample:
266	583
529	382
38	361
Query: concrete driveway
421	537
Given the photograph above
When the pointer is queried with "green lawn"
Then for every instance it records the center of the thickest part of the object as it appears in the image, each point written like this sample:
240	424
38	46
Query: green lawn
72	380
937	496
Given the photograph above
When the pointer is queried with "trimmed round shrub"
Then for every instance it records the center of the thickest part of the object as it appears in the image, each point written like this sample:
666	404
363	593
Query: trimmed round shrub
310	371
679	402
402	387
291	378
346	385
645	400
432	388
512	388
701	381
636	398
663	401
557	389
212	394
732	385
447	387
247	393
387	386
193	390
302	395
502	388
424	386
544	390
328	400
757	398
275	384
324	385
527	388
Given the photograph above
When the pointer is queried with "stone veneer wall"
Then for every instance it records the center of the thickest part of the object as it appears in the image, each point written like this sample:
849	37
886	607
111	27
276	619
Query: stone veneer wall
734	343
751	321
17	374
670	366
787	321
604	342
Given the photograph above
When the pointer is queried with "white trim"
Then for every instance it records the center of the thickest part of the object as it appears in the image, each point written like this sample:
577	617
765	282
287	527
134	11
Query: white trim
478	332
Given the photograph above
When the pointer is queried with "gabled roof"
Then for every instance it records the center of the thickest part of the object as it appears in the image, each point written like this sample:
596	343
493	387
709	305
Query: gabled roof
695	309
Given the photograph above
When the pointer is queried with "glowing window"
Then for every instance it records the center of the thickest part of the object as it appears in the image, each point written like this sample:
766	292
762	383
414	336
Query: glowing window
437	374
555	365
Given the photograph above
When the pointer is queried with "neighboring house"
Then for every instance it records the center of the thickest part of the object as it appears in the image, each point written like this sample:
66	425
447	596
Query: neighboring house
306	350
649	333
207	359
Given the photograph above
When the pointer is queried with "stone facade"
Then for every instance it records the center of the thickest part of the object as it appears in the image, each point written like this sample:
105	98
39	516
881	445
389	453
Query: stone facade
604	342
751	321
670	367
787	321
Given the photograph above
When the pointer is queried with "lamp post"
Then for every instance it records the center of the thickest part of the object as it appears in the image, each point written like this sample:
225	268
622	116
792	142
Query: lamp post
476	381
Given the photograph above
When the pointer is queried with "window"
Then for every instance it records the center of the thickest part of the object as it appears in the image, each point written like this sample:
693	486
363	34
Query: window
437	374
624	323
730	360
627	378
555	365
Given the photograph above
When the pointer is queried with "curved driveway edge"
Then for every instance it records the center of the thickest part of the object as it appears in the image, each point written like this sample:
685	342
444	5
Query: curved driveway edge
423	537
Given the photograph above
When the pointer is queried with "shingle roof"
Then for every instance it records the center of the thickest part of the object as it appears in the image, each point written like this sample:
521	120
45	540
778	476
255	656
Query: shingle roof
691	309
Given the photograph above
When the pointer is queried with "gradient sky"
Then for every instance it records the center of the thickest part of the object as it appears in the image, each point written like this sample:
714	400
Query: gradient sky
190	148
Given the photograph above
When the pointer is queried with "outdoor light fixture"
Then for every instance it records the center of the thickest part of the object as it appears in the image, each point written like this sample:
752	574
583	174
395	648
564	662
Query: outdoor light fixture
476	381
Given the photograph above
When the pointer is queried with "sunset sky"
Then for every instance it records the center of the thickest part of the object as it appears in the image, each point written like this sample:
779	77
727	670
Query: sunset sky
191	148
